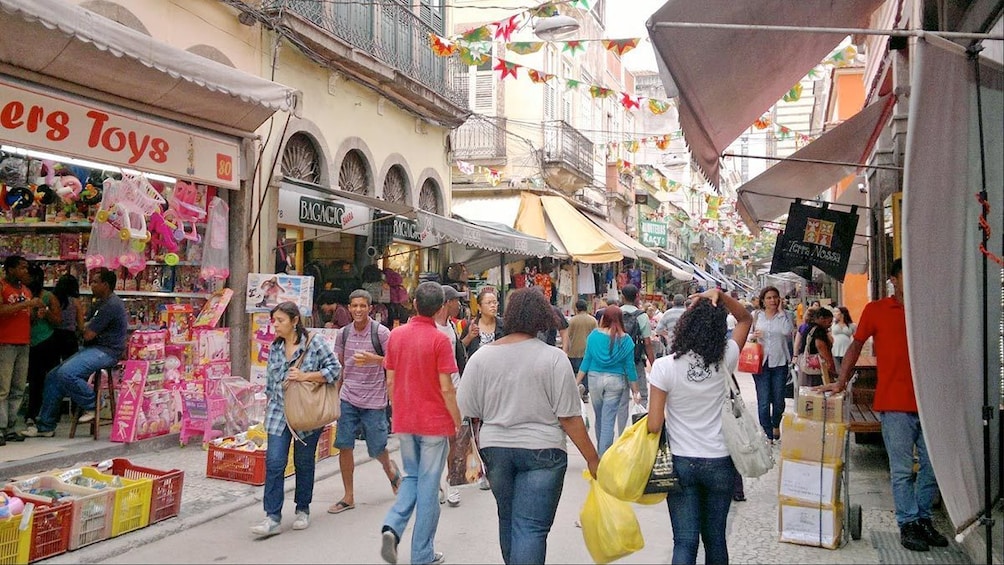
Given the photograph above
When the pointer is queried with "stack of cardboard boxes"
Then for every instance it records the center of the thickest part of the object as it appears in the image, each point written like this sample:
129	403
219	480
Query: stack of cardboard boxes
810	511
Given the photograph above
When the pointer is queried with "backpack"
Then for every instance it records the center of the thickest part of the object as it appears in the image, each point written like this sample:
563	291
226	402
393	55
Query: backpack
374	338
632	327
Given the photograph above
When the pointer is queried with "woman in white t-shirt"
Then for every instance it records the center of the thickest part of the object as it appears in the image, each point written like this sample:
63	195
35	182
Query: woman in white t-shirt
687	391
843	329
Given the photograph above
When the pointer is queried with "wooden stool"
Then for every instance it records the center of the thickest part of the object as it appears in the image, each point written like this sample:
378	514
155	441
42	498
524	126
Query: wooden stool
108	372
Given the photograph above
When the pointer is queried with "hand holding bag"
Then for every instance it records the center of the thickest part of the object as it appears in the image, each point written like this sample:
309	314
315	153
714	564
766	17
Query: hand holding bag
663	478
751	358
744	438
309	405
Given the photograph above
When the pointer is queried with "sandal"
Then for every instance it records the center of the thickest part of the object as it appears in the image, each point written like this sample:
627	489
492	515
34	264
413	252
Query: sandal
340	506
395	483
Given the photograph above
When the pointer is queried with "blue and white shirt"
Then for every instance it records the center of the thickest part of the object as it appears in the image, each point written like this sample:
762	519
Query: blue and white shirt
319	357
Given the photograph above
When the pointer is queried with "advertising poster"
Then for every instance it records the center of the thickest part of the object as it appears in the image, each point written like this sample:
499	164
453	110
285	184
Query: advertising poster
265	291
262	335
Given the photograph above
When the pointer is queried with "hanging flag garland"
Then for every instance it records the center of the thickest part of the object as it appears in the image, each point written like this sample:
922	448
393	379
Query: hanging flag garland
507	69
619	46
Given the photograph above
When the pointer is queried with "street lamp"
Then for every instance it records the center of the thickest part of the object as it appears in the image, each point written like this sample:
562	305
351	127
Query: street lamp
556	28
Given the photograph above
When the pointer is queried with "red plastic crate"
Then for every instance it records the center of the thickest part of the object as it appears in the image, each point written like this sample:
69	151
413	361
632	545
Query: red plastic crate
324	442
236	465
51	525
167	486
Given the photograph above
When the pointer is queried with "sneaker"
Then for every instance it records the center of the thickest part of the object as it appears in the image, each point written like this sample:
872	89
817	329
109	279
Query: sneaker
438	558
86	417
483	484
388	546
911	536
302	521
29	422
453	498
931	535
442	495
32	431
267	527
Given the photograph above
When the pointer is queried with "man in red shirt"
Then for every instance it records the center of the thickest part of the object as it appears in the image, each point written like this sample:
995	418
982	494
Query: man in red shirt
16	309
913	495
419	362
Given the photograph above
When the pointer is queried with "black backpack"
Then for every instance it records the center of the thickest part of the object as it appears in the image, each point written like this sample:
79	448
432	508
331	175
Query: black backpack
632	327
374	338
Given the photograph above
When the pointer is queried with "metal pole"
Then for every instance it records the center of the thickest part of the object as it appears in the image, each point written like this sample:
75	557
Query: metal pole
817	161
840	30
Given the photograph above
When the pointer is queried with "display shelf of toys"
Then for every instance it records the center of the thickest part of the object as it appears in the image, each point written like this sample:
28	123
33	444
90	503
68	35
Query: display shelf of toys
66	509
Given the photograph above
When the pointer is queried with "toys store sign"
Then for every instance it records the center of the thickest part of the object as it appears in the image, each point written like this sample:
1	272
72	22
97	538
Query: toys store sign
70	126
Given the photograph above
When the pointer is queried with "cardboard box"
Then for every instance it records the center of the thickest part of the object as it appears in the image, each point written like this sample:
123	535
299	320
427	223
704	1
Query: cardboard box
812	440
810	482
828	407
805	524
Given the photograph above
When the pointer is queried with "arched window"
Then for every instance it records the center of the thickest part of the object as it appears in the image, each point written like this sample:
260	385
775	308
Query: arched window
301	160
429	199
354	175
395	186
116	13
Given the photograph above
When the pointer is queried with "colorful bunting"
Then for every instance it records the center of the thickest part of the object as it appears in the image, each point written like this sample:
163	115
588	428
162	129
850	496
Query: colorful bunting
572	84
663	142
620	46
473	58
505	29
657	106
507	68
465	167
538	76
794	94
524	47
632	146
629	101
441	46
584	4
477	34
600	92
573	47
762	123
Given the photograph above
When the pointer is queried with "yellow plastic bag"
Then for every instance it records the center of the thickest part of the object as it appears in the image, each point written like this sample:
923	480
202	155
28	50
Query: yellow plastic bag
650	499
627	464
609	526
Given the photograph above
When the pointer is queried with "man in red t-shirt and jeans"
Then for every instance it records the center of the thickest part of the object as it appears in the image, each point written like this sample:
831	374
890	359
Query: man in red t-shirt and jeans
885	321
16	310
419	362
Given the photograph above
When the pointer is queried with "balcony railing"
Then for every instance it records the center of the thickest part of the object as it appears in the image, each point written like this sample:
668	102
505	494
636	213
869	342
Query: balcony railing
480	139
566	146
389	32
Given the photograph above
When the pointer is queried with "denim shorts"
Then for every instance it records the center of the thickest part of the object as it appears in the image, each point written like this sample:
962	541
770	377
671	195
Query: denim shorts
373	422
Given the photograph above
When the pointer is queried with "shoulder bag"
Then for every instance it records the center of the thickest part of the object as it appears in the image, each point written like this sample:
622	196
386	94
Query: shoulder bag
309	405
744	438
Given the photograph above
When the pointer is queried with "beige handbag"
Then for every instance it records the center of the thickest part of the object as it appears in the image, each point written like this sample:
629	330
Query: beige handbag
309	405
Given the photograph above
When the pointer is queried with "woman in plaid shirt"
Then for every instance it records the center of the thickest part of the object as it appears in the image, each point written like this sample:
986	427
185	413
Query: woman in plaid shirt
319	365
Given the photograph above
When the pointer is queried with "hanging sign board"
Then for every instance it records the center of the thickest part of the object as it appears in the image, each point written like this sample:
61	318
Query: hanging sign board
321	212
73	126
653	234
815	237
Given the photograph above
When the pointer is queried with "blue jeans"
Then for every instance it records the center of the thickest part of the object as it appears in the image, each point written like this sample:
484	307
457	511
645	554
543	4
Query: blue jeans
423	459
606	391
276	459
701	508
770	397
912	496
70	379
527	485
373	422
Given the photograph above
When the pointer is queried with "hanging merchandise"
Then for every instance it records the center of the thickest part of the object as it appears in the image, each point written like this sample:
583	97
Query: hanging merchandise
107	247
216	248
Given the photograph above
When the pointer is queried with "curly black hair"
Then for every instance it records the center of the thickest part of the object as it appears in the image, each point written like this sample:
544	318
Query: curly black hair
528	312
701	329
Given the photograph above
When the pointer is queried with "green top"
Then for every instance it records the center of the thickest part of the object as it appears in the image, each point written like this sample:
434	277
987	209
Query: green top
41	328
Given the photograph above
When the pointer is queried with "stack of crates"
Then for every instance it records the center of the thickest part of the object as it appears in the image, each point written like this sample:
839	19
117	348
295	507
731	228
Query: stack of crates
813	439
51	524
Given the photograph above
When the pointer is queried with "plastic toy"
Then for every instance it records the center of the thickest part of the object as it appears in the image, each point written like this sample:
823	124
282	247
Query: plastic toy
162	234
68	188
183	208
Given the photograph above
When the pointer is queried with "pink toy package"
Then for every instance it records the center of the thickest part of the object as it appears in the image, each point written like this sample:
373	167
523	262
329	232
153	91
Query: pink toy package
212	345
214	370
130	401
178	319
147	345
211	313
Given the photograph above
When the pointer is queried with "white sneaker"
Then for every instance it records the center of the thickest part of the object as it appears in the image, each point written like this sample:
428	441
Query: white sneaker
32	431
438	558
483	484
302	521
453	498
86	417
267	527
388	547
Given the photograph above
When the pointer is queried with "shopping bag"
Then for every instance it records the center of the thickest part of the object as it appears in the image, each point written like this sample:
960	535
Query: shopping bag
609	526
751	358
744	438
463	463
663	478
625	467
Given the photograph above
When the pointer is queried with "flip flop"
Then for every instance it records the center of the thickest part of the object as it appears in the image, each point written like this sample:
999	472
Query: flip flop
395	483
340	506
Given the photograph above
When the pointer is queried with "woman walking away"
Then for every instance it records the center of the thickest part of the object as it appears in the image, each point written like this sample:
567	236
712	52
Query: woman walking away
524	393
773	329
486	327
688	389
818	342
294	356
609	364
842	331
67	291
43	356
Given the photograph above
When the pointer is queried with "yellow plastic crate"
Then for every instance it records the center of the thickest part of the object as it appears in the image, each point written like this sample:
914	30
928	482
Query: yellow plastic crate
131	504
92	509
15	538
325	449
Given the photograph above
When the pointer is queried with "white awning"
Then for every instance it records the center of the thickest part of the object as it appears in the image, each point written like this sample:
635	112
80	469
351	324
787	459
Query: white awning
66	42
502	210
680	269
768	196
481	237
727	78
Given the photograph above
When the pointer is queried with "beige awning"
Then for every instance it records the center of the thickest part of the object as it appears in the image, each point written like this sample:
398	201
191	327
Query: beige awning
727	78
66	42
768	196
554	216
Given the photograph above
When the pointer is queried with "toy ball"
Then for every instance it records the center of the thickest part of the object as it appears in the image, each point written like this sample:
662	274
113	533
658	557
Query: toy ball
171	259
19	198
15	505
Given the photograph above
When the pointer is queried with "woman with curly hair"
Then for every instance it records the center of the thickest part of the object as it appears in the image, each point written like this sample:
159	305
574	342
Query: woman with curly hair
524	393
687	391
609	364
